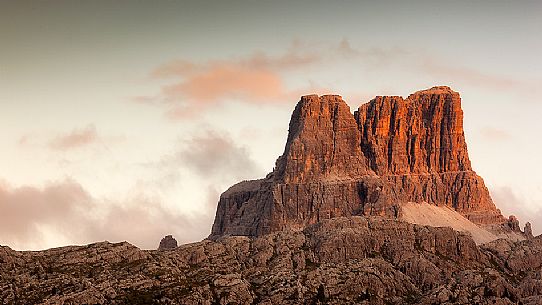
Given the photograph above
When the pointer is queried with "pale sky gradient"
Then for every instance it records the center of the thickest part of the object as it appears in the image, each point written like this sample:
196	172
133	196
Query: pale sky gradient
125	120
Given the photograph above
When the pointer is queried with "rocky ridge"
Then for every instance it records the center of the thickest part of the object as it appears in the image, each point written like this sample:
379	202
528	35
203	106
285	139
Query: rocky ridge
392	151
346	260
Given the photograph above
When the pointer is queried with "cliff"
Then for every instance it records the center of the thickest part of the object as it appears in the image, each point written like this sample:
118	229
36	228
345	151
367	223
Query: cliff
391	151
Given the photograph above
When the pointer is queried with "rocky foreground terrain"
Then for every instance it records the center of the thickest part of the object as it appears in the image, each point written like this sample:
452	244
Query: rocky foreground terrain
353	260
359	209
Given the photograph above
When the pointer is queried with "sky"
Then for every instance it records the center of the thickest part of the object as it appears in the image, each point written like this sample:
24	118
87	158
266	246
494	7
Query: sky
125	120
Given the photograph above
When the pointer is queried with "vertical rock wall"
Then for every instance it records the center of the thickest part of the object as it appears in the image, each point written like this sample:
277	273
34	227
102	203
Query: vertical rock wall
391	151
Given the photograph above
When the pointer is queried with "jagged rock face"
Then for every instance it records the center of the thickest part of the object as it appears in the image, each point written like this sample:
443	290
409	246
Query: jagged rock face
419	135
354	260
418	145
391	151
323	142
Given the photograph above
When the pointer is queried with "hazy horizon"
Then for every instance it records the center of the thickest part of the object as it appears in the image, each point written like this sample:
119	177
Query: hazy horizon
125	120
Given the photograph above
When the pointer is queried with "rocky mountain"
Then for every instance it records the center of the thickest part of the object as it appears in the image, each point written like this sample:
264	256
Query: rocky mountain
377	207
391	151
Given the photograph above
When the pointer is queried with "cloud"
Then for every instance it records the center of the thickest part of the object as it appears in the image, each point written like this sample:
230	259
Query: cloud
24	140
66	211
25	209
431	64
212	156
495	134
468	75
512	204
77	138
427	63
297	56
373	57
213	153
224	81
216	83
144	220
258	78
421	62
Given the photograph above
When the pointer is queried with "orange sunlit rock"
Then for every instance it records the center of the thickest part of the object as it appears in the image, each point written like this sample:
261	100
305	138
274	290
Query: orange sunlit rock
390	152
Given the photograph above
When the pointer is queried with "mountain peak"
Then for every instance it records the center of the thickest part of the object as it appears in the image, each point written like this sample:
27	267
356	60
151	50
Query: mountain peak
436	90
390	152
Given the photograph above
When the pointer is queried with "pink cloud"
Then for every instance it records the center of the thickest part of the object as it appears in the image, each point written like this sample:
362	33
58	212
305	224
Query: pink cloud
212	84
70	213
218	82
495	134
25	209
77	138
259	78
253	79
24	140
66	210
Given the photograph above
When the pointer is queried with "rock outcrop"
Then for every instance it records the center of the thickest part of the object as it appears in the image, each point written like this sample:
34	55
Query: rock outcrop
167	243
528	231
390	152
353	260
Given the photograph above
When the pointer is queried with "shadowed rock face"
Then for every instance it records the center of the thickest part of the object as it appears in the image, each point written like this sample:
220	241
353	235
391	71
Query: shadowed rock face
391	151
